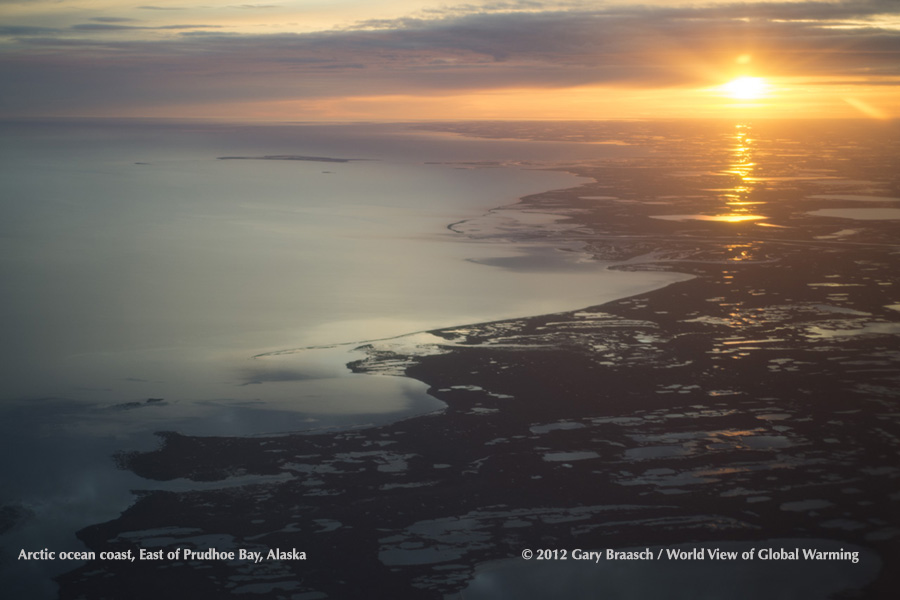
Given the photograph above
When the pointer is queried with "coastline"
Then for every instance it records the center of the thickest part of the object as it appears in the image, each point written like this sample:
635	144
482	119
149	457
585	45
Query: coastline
86	487
752	402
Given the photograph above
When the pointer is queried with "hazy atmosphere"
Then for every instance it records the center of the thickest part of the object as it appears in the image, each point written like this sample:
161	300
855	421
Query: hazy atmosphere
422	300
344	59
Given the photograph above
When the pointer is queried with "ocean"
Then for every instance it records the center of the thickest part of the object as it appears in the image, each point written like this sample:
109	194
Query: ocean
494	337
225	297
138	264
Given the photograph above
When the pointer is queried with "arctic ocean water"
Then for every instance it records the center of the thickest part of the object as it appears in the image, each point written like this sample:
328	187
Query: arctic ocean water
149	285
142	275
137	264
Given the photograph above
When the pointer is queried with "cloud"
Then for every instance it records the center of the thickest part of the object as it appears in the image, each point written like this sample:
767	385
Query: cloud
631	46
111	27
112	20
25	30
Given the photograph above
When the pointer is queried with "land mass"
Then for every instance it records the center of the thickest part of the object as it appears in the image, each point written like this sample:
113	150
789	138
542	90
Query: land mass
756	401
295	157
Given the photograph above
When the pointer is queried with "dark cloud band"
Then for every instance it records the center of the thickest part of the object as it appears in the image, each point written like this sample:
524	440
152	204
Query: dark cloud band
624	45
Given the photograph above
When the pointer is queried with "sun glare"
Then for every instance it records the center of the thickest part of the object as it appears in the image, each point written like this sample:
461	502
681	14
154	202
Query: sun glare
746	88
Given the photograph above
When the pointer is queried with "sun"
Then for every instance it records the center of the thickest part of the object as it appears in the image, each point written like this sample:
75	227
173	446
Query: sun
746	88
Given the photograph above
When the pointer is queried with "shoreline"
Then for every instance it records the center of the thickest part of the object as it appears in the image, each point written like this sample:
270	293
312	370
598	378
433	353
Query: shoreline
751	402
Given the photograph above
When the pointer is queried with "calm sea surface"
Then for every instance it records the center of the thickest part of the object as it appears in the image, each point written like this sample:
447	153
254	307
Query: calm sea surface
138	265
148	285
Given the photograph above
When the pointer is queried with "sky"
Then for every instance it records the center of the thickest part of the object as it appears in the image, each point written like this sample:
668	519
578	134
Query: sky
334	60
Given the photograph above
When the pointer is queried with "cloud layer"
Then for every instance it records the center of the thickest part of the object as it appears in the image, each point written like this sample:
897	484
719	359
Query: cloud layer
444	53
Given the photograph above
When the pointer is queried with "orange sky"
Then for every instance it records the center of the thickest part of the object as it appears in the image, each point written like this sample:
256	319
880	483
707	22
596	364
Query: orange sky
424	60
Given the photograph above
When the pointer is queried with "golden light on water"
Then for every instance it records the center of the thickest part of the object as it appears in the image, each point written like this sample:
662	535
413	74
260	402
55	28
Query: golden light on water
746	88
736	203
742	168
736	218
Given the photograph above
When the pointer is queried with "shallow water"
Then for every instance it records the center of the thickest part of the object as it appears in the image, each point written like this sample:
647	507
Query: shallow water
140	266
860	214
150	286
238	359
